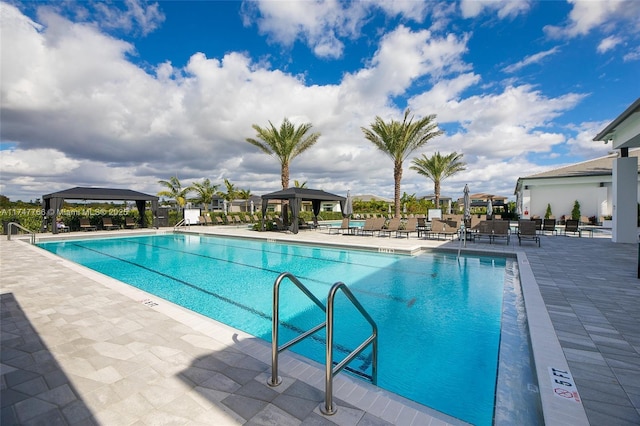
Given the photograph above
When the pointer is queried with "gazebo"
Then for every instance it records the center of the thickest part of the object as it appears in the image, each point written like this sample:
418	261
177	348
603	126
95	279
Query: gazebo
52	203
296	196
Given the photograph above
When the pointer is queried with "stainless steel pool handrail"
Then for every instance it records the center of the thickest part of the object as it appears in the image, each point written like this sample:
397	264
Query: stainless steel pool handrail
32	235
275	349
330	371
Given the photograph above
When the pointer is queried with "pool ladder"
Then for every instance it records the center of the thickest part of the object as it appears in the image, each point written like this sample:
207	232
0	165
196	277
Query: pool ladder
330	371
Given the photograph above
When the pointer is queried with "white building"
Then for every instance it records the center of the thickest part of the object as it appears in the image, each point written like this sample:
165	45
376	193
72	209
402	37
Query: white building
624	134
589	182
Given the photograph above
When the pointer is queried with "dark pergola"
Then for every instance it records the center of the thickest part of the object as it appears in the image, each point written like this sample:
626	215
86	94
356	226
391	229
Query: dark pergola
52	203
296	196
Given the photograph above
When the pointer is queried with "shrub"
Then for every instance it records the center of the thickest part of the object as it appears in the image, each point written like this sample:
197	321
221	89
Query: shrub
575	213
548	213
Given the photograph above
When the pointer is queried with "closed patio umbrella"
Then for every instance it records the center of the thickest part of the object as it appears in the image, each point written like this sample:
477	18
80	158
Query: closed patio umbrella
348	205
467	211
489	209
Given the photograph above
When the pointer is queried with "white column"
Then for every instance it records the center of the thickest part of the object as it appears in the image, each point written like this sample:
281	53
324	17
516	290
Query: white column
625	200
603	207
526	204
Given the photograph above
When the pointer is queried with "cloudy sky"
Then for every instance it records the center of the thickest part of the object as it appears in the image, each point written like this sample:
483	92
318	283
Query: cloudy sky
122	94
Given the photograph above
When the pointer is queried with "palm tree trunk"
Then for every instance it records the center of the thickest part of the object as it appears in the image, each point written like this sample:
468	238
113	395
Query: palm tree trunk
397	177
284	177
436	190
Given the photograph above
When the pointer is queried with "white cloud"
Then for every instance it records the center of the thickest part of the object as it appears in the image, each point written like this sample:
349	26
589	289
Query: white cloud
532	59
83	114
319	23
586	16
504	8
608	44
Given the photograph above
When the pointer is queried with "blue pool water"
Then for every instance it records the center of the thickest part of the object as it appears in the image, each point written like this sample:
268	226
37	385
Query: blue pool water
438	318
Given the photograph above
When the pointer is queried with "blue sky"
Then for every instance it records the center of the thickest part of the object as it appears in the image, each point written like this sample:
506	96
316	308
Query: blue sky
123	94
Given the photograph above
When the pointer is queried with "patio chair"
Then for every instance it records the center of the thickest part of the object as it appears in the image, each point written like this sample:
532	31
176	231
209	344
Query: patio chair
538	222
549	225
392	226
409	227
279	225
444	228
85	225
484	229
527	231
344	226
108	224
501	230
130	223
372	225
573	226
317	225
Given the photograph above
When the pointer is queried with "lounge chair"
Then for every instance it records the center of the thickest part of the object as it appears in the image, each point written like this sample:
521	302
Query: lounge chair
219	221
108	224
527	231
501	230
573	226
247	218
344	226
409	227
317	225
444	228
279	225
422	226
538	223
207	219
85	225
201	220
130	223
549	225
372	225
392	226
484	229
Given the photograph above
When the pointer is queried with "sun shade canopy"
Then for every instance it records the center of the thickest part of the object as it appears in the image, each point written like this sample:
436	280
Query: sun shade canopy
52	203
296	196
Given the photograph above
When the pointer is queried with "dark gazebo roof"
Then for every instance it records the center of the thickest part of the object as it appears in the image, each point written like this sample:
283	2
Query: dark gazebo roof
81	193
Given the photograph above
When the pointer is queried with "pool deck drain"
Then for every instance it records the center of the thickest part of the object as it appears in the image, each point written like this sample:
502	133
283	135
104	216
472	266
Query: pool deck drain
82	348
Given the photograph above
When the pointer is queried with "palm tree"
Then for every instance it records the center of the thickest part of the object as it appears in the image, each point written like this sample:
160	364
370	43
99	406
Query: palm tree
300	185
205	192
284	144
175	191
231	194
245	194
438	168
399	139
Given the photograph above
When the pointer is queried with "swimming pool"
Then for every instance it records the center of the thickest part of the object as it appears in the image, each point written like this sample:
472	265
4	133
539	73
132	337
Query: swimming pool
439	320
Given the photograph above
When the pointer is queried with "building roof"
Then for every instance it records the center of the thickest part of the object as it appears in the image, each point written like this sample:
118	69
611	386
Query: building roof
602	166
618	126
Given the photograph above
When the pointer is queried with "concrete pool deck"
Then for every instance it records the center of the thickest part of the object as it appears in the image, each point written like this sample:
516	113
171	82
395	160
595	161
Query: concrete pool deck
80	348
